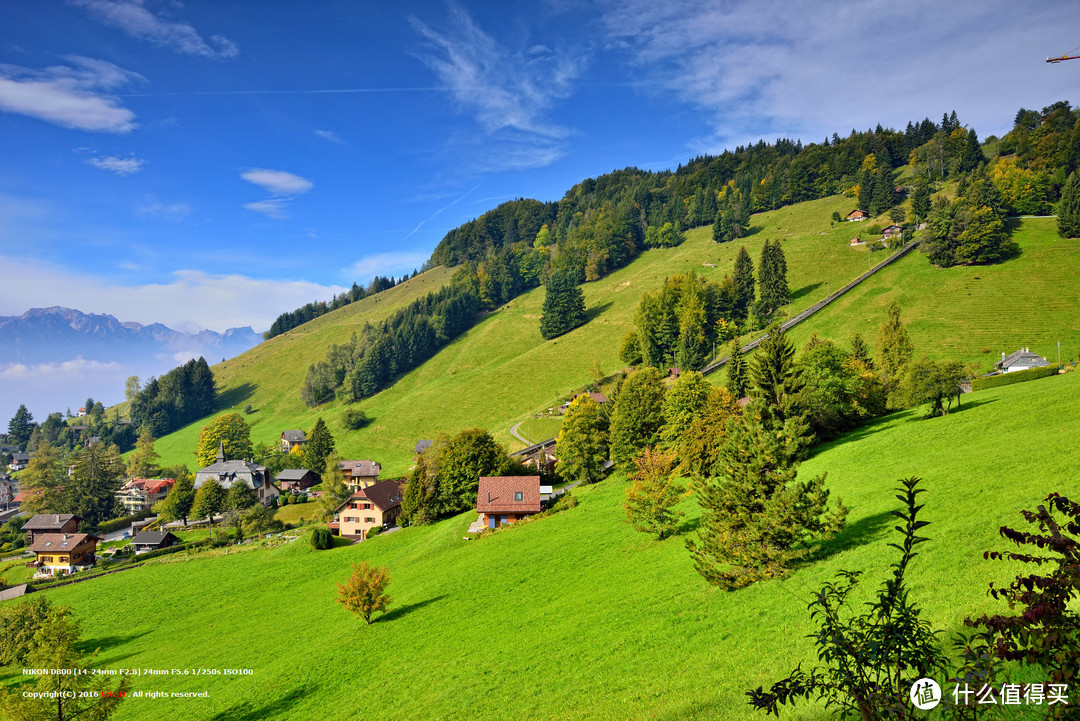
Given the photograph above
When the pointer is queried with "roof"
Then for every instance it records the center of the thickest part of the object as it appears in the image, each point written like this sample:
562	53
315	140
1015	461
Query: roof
294	436
384	495
16	457
151	538
598	397
49	521
860	212
892	228
422	446
1023	358
361	468
293	474
60	542
148	485
496	494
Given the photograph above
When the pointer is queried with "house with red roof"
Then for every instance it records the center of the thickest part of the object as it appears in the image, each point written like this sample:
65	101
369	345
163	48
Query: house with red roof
507	499
138	494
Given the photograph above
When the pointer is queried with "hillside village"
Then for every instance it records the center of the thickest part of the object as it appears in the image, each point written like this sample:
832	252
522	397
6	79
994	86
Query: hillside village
697	434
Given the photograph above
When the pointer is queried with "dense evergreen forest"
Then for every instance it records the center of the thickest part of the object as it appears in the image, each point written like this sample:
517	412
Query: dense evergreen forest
289	320
603	223
177	398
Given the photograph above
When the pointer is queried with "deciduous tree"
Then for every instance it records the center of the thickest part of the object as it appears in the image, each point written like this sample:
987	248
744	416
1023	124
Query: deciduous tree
209	500
91	490
178	504
230	429
142	463
894	347
582	443
637	416
334	489
364	592
654	493
42	482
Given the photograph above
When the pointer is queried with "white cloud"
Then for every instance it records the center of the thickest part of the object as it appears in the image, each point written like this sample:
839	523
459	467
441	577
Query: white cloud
329	136
509	93
767	68
133	18
170	212
285	187
75	368
190	300
120	166
278	182
69	95
50	387
385	264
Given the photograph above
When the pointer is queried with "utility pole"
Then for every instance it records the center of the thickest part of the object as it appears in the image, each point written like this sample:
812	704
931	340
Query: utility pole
1059	354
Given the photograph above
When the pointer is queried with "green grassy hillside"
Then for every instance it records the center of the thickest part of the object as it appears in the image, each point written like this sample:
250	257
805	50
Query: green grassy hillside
577	615
503	371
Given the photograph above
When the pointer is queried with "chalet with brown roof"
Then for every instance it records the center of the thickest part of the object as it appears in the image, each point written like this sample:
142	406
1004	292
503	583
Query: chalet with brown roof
360	474
506	499
892	231
296	479
292	439
56	554
857	215
376	505
49	523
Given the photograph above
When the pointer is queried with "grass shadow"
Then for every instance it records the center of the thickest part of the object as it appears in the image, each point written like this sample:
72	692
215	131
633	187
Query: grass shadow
596	311
967	403
395	613
805	290
860	533
107	642
235	396
262	709
752	230
688	526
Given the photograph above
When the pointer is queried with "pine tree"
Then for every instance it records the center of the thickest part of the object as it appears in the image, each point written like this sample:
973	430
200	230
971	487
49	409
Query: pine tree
772	277
744	282
757	517
319	445
861	351
1069	209
736	370
718	228
920	201
21	426
637	416
42	482
582	443
98	475
334	489
564	306
972	155
776	380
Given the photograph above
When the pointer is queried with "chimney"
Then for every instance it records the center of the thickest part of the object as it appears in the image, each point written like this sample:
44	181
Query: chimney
1003	355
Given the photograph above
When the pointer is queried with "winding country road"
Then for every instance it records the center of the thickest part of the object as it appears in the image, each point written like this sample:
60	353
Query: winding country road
515	434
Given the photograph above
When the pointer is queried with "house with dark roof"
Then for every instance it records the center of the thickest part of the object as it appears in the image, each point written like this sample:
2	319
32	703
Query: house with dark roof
226	473
359	474
19	461
138	494
892	231
147	541
506	499
50	523
857	215
292	439
1021	360
296	479
376	505
422	446
57	554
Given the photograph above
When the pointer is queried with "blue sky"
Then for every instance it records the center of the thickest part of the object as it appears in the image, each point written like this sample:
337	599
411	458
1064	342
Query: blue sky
212	164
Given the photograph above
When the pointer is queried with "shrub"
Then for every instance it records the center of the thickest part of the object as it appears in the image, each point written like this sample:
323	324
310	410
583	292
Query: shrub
283	499
321	538
354	419
123	522
248	409
376	530
1006	379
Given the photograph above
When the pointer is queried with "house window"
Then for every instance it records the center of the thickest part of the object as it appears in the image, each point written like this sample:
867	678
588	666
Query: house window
519	495
369	519
367	506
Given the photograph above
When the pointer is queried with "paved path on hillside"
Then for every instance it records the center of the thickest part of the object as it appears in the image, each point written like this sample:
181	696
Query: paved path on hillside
515	434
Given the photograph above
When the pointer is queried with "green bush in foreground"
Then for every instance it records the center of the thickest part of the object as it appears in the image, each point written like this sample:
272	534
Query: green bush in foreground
321	539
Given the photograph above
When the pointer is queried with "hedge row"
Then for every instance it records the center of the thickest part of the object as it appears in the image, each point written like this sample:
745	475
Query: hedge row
1005	379
117	523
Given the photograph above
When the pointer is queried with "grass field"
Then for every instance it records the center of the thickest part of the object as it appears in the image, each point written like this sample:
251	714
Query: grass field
576	615
540	429
502	371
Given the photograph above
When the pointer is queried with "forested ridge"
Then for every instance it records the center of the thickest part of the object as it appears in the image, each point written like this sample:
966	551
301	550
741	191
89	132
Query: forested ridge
603	223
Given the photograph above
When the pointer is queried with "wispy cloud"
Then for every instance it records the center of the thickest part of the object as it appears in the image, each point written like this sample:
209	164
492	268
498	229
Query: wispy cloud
768	67
283	185
69	95
509	93
118	165
134	19
440	211
330	136
187	300
169	212
385	264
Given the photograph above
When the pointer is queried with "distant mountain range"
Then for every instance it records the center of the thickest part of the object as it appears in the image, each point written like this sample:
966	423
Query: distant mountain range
55	335
52	359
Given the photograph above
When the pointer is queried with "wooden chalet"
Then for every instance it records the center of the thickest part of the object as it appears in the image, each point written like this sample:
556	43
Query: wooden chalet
505	499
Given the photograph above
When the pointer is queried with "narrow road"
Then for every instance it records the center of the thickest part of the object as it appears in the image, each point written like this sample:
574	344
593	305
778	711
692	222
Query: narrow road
515	434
